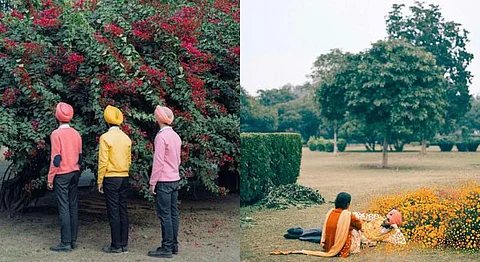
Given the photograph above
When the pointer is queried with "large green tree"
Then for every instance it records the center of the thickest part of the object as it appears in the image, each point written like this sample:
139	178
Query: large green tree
254	117
271	97
396	85
426	27
299	115
471	121
330	93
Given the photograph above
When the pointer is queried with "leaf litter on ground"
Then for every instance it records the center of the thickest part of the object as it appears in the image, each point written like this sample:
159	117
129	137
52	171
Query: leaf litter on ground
291	195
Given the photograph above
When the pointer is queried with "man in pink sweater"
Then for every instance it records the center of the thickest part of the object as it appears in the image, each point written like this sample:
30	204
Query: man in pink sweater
164	182
66	158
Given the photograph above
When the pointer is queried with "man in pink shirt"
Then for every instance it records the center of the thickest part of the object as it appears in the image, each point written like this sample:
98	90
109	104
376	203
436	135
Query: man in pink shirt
164	182
66	158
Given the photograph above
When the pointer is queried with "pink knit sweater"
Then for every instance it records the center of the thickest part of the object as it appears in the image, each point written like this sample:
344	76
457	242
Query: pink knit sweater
66	151
166	159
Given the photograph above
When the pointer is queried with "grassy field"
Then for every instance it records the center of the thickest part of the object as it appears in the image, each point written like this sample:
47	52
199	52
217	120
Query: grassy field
209	231
360	175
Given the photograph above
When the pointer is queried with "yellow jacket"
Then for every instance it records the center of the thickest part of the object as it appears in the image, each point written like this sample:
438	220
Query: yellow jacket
114	154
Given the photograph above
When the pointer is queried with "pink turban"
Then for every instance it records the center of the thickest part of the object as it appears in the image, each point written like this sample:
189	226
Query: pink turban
163	115
395	217
64	112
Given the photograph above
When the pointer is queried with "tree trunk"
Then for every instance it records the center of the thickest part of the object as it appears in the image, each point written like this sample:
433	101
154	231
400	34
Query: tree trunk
423	151
385	150
335	146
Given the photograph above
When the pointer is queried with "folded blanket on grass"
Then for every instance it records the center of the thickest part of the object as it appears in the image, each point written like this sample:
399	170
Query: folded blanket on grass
310	235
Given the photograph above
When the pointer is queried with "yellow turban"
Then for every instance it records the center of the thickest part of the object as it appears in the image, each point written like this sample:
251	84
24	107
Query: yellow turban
113	115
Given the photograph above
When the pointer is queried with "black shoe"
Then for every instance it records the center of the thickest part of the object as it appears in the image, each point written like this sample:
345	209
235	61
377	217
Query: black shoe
161	252
291	236
175	250
295	230
111	249
62	247
125	249
74	244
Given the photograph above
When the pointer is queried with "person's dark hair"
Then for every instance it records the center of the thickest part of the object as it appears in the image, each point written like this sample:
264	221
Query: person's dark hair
343	200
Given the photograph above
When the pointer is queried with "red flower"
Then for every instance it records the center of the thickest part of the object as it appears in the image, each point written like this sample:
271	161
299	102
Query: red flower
28	187
152	71
169	28
115	30
141	34
17	14
195	82
52	13
32	48
8	154
9	96
189	173
227	158
75	58
235	50
69	68
35	124
3	29
47	3
46	22
9	44
41	145
100	38
149	146
192	49
127	129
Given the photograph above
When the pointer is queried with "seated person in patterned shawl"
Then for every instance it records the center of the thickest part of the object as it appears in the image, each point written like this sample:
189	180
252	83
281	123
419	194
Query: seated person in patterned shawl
377	228
337	238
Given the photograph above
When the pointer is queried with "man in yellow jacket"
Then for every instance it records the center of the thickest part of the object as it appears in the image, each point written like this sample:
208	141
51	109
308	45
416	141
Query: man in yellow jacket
114	158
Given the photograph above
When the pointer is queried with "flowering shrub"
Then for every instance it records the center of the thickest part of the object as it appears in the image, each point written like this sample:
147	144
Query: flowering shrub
134	55
464	229
436	218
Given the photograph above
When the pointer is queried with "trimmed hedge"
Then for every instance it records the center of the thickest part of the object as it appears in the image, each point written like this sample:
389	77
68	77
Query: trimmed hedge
446	144
328	146
467	146
341	144
321	144
267	159
462	146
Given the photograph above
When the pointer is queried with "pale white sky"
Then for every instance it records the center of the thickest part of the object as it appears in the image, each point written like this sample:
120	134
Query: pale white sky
280	39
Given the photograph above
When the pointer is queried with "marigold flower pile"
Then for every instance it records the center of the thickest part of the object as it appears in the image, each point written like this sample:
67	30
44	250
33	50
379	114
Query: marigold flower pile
447	217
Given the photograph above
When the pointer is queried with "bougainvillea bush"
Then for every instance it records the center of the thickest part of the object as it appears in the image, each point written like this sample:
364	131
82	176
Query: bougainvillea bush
447	217
130	54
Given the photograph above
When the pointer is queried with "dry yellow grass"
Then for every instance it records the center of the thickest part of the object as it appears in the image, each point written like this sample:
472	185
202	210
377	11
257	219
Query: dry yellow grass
358	174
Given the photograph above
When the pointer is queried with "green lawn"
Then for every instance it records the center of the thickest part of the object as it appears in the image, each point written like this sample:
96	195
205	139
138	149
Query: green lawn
359	174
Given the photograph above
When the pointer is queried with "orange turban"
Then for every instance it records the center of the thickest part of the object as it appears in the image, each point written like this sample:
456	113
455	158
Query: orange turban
64	112
395	217
164	115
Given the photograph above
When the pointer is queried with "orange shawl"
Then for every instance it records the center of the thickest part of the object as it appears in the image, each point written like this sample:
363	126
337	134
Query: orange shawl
343	229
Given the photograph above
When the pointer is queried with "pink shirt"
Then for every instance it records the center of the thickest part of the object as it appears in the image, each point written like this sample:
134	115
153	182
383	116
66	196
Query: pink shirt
166	159
66	151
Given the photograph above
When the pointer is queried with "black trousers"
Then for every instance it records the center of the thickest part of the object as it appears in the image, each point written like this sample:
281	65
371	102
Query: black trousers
115	190
167	211
65	188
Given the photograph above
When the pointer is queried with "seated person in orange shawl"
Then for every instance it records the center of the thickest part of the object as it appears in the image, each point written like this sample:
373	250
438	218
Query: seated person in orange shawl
337	231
